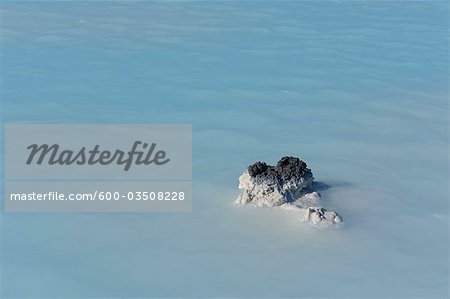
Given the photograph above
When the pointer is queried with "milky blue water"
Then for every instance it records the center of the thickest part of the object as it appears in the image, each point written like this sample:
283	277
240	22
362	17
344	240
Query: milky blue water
358	89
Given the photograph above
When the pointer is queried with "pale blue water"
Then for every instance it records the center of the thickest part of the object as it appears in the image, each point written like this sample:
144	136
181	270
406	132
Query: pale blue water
359	90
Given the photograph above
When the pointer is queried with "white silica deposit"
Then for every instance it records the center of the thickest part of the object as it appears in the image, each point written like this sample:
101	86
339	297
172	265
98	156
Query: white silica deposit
289	186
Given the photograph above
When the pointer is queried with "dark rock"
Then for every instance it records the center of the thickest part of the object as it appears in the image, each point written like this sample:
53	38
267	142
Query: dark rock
286	168
289	167
257	168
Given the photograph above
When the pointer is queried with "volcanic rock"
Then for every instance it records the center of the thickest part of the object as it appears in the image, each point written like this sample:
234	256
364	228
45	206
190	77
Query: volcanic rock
288	185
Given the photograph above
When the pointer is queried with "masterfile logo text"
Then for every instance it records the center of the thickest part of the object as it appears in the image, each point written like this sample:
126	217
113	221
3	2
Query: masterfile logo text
53	155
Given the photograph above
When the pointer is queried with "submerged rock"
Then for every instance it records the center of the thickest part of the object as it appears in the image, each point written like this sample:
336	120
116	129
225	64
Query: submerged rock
288	185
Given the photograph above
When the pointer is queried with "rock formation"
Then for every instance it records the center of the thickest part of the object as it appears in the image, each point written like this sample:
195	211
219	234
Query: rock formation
288	185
